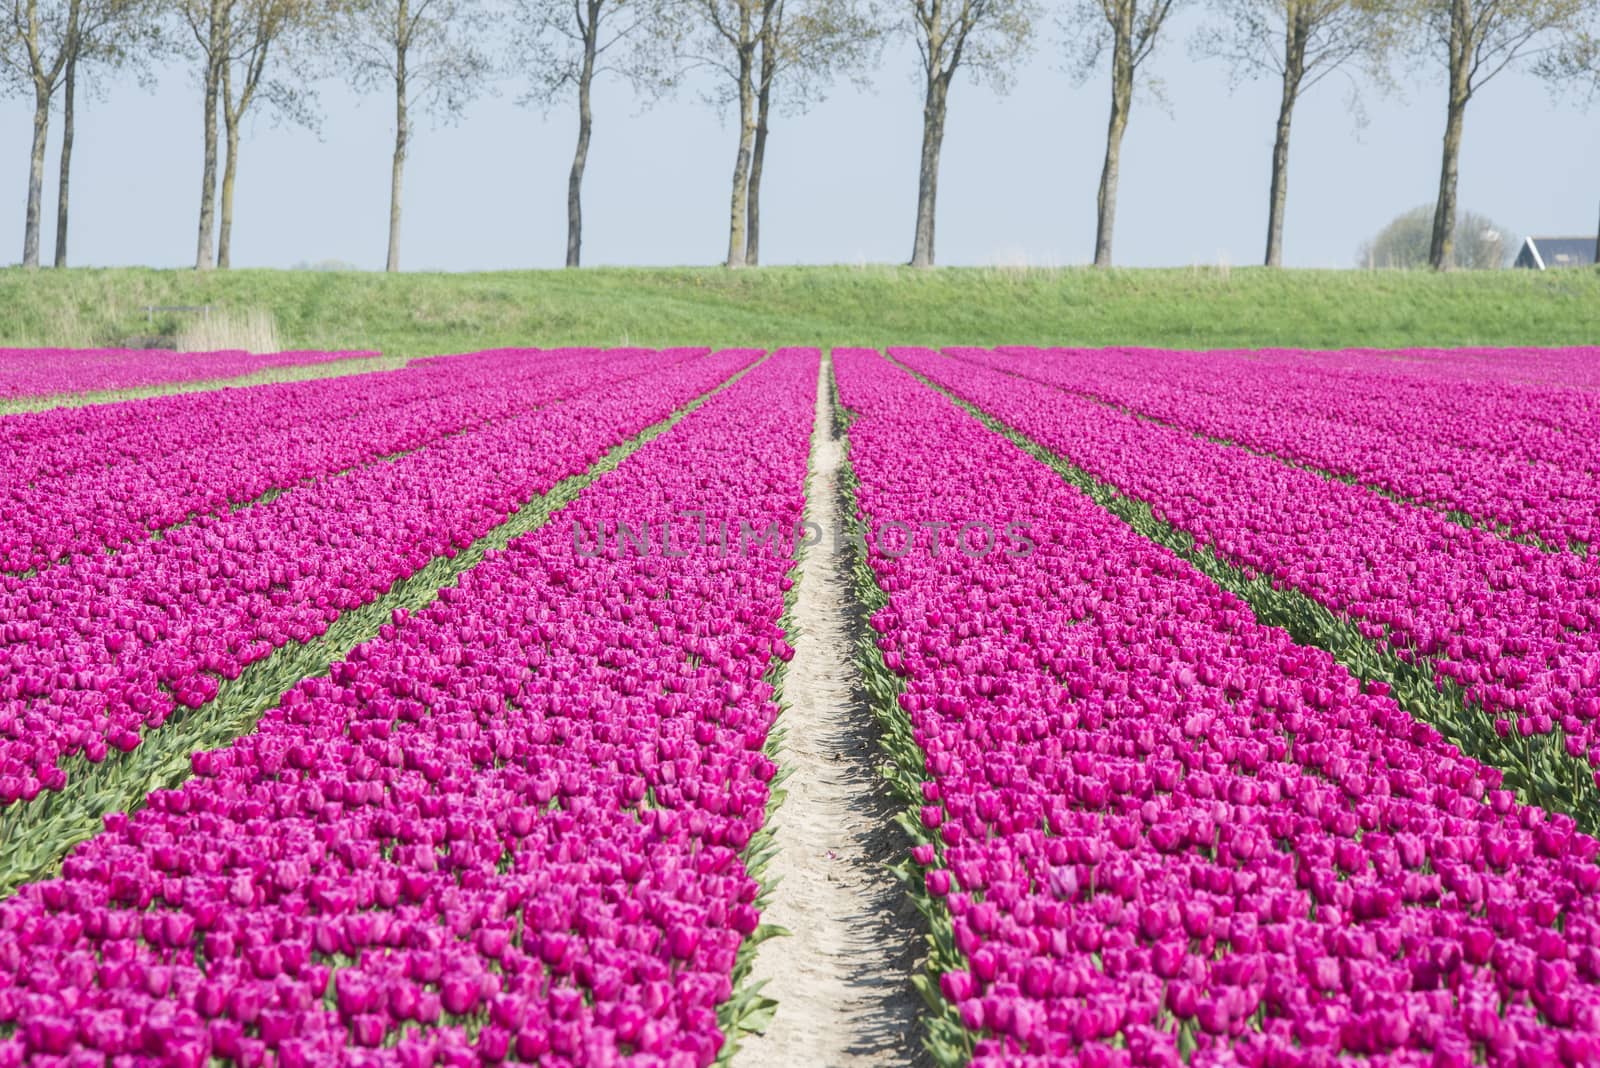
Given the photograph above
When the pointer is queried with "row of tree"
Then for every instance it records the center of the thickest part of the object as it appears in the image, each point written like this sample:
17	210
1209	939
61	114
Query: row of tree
434	55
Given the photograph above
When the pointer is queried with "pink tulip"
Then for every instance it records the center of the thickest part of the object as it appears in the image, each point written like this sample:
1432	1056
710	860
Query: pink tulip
444	809
1171	808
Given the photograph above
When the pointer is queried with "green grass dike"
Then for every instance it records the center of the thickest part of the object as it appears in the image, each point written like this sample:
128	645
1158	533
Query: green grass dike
415	314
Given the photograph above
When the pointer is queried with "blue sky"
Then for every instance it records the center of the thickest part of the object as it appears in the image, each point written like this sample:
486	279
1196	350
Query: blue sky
1017	183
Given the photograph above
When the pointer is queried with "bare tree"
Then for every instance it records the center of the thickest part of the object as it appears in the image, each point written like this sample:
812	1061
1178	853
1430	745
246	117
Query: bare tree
749	21
111	34
730	44
1131	28
983	37
753	44
1299	42
810	42
1477	39
429	53
565	45
258	31
40	37
767	72
235	40
209	23
69	93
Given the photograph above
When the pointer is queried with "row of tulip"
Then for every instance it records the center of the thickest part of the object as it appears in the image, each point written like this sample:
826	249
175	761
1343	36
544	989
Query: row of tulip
50	443
82	479
1517	456
1569	366
1513	630
1159	831
104	647
48	372
512	827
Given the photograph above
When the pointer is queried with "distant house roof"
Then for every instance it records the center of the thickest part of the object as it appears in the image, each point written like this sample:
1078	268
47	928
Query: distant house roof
1540	253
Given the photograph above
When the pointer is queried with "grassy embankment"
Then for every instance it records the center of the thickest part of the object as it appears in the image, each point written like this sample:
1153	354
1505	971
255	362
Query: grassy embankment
410	315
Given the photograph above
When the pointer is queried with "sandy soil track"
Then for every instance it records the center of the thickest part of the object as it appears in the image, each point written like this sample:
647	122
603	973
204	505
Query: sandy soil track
842	978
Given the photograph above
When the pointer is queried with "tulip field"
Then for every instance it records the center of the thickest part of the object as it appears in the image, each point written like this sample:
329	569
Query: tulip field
47	372
1233	708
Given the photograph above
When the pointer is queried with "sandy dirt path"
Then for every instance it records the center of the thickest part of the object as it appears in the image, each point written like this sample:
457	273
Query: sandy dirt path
842	977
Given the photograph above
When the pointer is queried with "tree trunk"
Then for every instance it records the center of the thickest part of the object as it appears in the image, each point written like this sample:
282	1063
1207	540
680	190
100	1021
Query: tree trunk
1278	195
1121	99
41	130
1441	250
752	240
230	166
933	112
396	181
401	130
70	87
580	158
741	163
216	37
